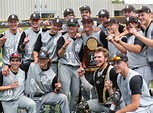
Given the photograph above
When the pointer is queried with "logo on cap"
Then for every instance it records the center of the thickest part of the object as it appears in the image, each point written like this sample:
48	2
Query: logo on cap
127	19
34	15
42	54
127	6
71	20
57	20
102	12
13	16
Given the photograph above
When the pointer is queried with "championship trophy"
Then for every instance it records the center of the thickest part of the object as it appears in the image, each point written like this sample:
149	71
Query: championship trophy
91	45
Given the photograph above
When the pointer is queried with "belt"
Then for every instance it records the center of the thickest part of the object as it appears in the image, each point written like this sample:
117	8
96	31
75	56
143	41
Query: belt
135	68
54	62
36	95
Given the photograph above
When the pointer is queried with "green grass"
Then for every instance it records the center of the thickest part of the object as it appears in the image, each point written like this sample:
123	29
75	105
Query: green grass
3	29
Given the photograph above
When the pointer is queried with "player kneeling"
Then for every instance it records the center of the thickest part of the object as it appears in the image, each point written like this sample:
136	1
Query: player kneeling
12	88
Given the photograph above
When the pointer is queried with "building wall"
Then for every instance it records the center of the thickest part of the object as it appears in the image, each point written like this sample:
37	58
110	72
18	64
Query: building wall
119	7
23	8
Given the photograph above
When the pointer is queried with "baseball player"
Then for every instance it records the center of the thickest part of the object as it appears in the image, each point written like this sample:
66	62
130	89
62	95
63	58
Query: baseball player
68	13
12	88
42	84
128	11
104	73
48	41
88	33
103	16
10	40
29	37
132	86
85	11
69	50
145	17
112	29
136	51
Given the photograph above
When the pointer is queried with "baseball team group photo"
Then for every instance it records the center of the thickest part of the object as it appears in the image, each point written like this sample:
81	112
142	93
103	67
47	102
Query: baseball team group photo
93	60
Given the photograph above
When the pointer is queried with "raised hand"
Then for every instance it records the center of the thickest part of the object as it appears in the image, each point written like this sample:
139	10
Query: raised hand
67	42
26	39
81	72
3	39
132	29
108	84
47	22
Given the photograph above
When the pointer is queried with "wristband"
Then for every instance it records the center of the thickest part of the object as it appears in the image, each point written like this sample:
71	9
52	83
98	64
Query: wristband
23	46
63	47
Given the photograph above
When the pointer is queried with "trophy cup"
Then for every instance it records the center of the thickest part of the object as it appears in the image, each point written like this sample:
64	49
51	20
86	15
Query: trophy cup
91	45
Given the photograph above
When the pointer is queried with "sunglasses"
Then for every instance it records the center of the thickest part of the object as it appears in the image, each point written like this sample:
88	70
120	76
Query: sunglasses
116	58
35	20
71	25
15	60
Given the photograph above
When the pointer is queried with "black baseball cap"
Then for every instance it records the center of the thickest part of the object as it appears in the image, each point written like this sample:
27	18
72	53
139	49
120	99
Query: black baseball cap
72	21
34	16
13	17
68	11
144	9
43	54
103	12
129	8
112	20
57	21
15	55
119	57
85	7
131	19
87	19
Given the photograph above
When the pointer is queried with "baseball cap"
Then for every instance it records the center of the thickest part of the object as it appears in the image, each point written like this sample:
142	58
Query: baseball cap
57	21
43	54
13	17
34	16
85	7
119	57
15	55
68	11
112	20
103	12
131	19
144	9
87	19
129	7
72	22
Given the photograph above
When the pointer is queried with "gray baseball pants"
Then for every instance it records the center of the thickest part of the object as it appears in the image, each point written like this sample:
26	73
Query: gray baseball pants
23	103
52	99
69	78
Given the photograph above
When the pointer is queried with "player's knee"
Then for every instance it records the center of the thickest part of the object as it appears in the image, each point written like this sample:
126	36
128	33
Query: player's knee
82	107
32	105
63	97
